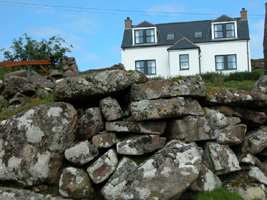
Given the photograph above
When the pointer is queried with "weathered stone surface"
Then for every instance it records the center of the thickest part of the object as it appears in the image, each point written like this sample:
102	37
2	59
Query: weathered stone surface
74	183
227	96
206	181
90	123
104	139
110	108
164	108
69	73
7	193
42	93
140	144
19	73
2	86
40	137
81	153
226	110
35	78
232	135
152	128
222	157
250	117
255	141
13	85
256	174
117	180
166	175
17	99
93	85
248	192
180	86
247	159
103	167
196	128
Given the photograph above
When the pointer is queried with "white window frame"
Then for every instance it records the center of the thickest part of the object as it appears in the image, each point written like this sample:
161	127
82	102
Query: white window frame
146	67
226	64
144	28
225	22
180	63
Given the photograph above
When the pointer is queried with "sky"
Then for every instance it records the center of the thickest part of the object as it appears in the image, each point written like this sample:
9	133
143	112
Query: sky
95	27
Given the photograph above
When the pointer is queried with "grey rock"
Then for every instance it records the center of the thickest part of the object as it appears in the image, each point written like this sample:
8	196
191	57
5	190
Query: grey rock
13	85
69	73
81	153
74	183
222	158
90	124
152	128
20	73
255	141
35	78
17	99
227	96
42	93
206	181
104	139
232	135
181	86
164	108
247	191
103	167
165	175
256	174
110	108
196	128
140	144
40	137
117	180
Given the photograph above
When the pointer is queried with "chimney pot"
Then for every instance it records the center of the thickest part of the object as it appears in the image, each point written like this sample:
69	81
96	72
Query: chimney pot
128	23
244	14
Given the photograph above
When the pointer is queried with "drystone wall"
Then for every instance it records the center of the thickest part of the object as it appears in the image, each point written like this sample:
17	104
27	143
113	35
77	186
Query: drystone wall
116	134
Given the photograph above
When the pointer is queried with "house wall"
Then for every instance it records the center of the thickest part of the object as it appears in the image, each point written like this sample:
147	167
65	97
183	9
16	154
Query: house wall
167	64
210	50
175	62
160	54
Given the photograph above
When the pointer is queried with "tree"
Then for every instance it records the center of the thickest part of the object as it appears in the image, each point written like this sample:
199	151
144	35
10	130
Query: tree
26	48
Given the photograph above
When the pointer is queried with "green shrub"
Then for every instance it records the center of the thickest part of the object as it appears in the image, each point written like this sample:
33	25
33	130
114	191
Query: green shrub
218	194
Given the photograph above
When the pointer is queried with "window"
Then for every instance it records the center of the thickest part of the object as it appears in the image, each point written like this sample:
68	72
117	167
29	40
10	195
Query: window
184	61
147	67
170	36
144	36
224	30
225	62
198	34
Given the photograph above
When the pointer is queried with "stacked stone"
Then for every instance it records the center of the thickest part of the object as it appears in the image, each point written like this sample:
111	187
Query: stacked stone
70	67
141	139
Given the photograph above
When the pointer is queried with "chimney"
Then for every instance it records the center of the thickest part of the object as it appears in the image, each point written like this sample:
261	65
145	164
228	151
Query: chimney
128	23
244	14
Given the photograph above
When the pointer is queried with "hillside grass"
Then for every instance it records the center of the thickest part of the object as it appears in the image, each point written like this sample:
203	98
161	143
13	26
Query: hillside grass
29	103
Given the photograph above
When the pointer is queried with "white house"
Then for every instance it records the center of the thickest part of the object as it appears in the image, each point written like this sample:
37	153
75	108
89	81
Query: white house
187	48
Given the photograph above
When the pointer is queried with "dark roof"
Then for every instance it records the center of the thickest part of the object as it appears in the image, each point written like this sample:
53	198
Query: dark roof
144	24
186	29
224	18
183	43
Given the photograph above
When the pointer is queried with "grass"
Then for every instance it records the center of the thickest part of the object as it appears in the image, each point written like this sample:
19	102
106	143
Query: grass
27	105
218	194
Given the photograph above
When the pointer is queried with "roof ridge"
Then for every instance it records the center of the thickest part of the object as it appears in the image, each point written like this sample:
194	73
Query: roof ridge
223	16
144	22
184	38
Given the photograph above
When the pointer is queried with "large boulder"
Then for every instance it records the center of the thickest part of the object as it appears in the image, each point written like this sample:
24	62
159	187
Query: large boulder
180	86
166	175
32	143
13	85
259	92
164	108
94	85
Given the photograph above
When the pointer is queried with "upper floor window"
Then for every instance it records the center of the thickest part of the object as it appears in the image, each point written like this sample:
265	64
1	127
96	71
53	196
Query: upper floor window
198	34
144	36
184	61
224	30
225	62
147	67
170	36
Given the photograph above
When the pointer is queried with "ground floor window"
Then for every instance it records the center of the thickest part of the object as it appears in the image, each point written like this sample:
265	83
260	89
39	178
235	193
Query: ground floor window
147	67
225	62
184	61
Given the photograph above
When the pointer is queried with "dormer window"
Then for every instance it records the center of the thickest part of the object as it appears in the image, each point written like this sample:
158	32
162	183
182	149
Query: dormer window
226	30
170	36
144	36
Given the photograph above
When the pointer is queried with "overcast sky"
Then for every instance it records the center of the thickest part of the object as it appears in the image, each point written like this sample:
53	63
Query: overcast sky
95	28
